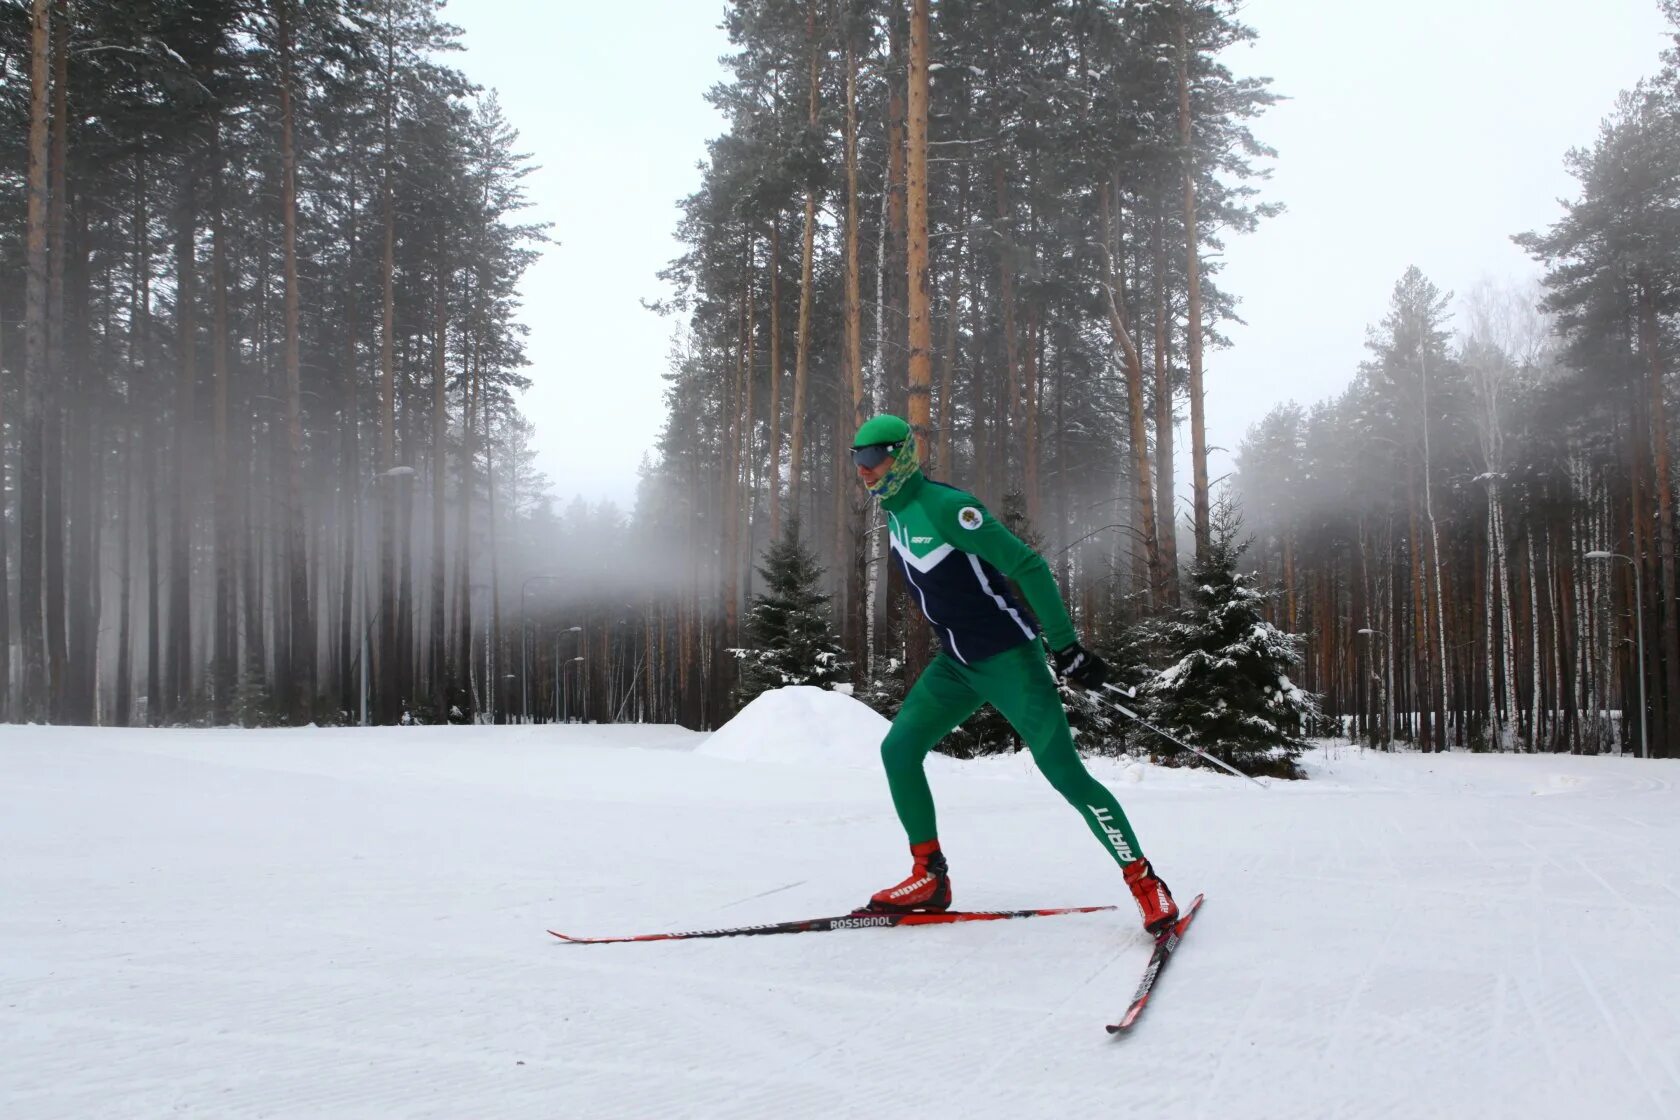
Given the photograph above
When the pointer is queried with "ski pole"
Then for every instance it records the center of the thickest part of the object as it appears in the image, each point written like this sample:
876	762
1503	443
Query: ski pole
1128	713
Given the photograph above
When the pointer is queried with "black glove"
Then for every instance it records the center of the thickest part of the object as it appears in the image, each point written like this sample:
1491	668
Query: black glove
1081	666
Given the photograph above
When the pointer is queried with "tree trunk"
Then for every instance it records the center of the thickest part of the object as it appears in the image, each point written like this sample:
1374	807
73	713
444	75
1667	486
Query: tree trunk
844	493
1289	598
494	653
154	580
1010	414
352	483
1663	484
1131	361
851	550
738	422
1360	617
1563	639
179	672
1491	652
1193	329
263	621
405	486
1064	523
875	606
31	616
920	368
807	265
948	357
301	654
1166	533
1629	670
139	456
1440	606
224	652
123	693
894	199
1508	659
442	681
56	395
84	477
1420	614
853	262
463	563
277	542
386	656
773	471
747	481
1030	373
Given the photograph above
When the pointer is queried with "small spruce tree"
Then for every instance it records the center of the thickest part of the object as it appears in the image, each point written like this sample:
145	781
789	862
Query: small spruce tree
1228	690
1129	646
788	625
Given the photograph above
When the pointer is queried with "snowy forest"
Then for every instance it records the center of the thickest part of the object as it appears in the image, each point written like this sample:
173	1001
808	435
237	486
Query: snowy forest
1005	224
1478	537
262	342
995	223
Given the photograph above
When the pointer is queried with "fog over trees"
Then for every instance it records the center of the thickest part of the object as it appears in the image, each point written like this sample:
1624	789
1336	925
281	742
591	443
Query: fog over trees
261	336
1478	536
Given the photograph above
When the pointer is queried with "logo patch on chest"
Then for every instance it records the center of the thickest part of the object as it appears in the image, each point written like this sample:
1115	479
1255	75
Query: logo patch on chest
970	517
917	541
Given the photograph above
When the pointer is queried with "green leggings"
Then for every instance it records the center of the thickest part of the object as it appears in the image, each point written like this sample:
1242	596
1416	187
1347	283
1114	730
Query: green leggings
1016	682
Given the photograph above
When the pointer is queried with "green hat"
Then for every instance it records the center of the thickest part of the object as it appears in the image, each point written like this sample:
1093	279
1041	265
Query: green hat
885	428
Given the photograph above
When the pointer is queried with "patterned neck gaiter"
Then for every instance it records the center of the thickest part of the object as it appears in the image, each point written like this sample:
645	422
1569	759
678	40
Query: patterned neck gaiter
903	467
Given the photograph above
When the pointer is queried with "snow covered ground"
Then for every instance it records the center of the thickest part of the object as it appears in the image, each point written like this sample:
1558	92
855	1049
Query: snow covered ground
349	923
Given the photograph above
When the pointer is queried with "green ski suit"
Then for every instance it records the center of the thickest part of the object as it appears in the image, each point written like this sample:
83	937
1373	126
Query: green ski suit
953	555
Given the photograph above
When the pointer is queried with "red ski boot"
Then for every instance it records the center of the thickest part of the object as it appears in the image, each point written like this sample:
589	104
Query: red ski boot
1155	901
927	888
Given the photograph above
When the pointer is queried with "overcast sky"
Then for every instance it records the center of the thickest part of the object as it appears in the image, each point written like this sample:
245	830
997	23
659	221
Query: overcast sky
1425	133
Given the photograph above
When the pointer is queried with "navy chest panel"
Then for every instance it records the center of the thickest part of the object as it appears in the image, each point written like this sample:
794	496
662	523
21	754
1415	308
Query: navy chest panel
967	601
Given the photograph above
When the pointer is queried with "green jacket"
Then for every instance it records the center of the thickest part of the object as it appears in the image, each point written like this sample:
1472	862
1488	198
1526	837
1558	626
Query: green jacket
956	558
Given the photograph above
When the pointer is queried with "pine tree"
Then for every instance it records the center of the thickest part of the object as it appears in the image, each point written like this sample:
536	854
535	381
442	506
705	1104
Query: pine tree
1228	690
789	625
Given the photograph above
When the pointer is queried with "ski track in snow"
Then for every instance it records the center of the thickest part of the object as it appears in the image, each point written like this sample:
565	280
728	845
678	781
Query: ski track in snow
350	923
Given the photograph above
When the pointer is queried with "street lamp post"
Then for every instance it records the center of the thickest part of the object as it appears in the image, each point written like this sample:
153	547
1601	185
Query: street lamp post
557	665
1388	688
565	705
1639	636
361	584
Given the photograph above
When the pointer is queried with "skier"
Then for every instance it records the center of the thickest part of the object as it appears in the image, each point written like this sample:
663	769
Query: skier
955	556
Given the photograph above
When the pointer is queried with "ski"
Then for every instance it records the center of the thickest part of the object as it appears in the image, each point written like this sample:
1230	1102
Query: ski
1165	946
857	919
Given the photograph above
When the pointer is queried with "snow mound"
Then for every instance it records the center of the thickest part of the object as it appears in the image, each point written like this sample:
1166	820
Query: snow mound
801	724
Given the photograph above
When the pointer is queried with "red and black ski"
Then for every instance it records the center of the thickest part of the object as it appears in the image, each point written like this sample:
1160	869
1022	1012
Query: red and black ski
858	919
1165	946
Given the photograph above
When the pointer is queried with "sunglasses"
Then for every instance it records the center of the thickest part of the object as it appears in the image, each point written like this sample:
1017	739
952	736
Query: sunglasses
874	455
